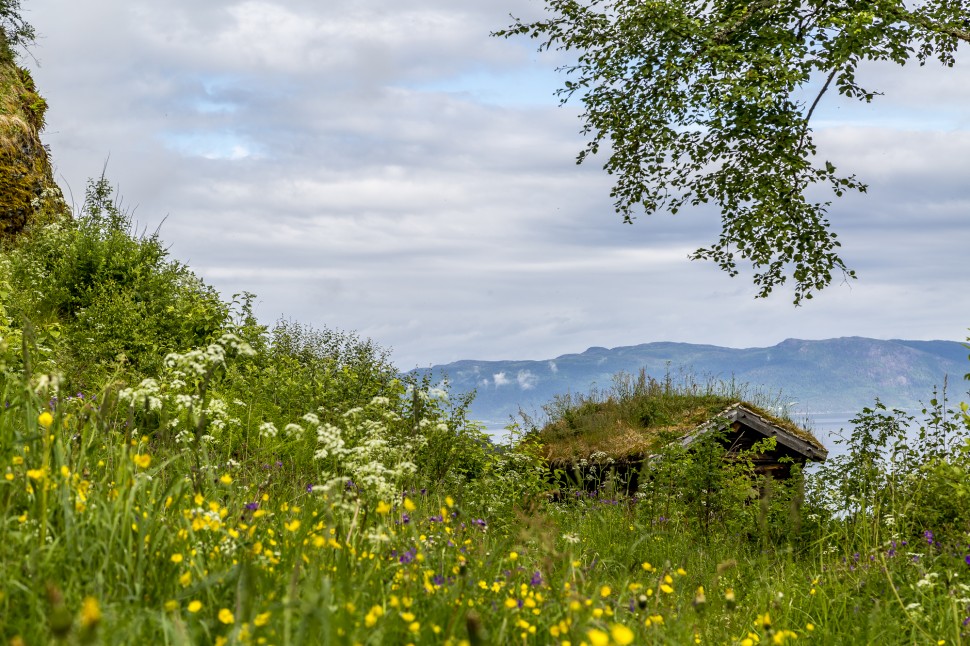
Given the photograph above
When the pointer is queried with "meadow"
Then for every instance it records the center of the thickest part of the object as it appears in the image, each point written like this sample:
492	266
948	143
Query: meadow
175	472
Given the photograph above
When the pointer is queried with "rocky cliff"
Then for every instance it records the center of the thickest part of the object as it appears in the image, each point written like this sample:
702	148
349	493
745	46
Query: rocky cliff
28	194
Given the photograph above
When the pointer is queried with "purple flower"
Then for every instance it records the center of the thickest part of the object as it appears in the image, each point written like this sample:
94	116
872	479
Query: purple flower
438	579
478	521
252	506
966	559
408	556
536	579
928	535
309	488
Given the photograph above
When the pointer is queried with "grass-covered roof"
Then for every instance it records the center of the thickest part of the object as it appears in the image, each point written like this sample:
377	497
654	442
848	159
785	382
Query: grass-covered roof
639	414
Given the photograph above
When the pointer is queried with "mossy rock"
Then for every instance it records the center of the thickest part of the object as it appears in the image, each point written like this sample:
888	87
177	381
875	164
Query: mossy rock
28	194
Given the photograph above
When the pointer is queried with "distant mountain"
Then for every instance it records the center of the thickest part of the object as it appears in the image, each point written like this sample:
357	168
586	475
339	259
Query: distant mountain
830	376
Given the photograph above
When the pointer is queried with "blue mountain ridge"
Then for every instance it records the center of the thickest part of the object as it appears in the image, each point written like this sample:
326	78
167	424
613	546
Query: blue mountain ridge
813	377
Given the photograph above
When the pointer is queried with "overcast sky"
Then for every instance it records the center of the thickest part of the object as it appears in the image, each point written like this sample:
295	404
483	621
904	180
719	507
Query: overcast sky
385	166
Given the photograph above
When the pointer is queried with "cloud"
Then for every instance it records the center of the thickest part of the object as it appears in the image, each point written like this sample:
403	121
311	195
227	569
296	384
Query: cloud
388	167
526	380
500	379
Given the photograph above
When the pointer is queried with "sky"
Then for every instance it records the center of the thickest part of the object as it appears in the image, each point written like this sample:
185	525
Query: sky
387	167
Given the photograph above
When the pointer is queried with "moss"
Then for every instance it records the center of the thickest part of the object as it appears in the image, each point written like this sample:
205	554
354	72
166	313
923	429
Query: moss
28	194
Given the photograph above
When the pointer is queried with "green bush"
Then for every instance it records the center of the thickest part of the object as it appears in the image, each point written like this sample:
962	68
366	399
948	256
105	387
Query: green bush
115	296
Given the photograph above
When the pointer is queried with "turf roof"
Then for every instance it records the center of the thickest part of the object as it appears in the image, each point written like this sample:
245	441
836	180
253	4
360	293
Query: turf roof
629	428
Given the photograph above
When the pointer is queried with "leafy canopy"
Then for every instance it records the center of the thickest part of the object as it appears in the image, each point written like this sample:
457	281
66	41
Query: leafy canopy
702	102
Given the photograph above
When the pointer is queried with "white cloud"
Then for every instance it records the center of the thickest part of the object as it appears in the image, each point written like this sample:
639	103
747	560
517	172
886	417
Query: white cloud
500	379
526	380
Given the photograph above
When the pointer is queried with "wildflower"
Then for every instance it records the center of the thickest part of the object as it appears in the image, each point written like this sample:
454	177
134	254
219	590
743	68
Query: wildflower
226	616
621	634
605	591
409	504
45	419
171	605
176	558
699	598
226	479
598	637
666	588
681	571
36	474
763	621
513	556
383	508
293	525
194	606
141	460
647	567
90	613
729	598
809	627
185	579
782	636
262	619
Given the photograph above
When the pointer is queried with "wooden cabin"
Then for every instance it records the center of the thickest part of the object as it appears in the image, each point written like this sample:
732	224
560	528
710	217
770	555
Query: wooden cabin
597	439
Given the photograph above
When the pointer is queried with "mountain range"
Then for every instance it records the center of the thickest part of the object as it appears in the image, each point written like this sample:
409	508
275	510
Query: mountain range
809	377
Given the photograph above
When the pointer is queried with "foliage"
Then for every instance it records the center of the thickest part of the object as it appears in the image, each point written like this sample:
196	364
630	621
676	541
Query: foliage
699	102
107	294
14	30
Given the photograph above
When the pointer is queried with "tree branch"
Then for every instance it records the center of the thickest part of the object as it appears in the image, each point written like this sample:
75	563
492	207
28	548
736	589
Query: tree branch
931	25
818	98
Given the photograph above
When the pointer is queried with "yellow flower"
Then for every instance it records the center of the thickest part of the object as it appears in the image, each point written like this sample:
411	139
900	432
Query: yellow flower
176	558
409	505
141	460
221	641
621	634
65	471
763	621
292	526
598	637
414	626
449	501
681	571
226	617
90	612
185	579
511	603
195	606
171	605
809	627
647	567
36	474
262	619
45	419
783	636
666	588
226	479
513	556
383	508
605	591
17	460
